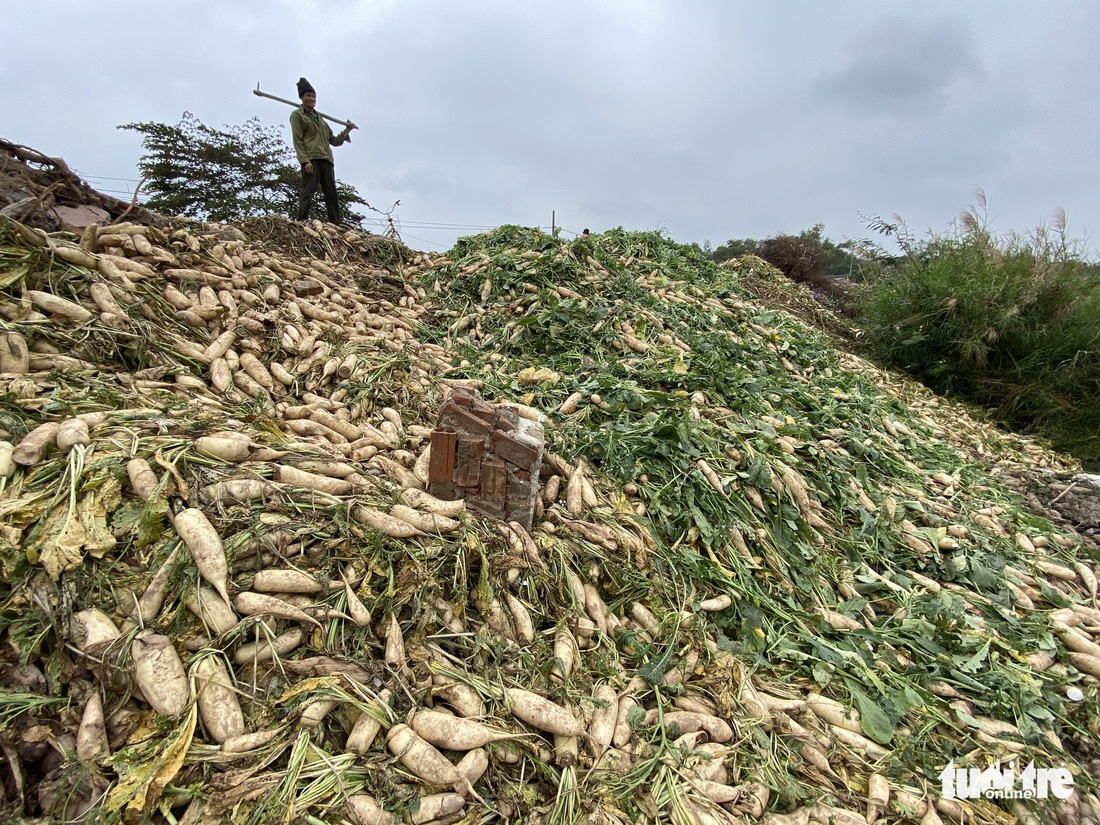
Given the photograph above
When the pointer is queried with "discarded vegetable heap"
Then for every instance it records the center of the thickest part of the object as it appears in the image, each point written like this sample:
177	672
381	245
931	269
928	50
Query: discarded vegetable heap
760	585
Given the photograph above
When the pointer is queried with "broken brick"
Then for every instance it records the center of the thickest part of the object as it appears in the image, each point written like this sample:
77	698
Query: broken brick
468	462
494	480
486	412
522	495
461	396
488	455
516	448
445	490
506	418
454	417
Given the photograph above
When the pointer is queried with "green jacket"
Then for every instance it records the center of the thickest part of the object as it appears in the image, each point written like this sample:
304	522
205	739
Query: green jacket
312	136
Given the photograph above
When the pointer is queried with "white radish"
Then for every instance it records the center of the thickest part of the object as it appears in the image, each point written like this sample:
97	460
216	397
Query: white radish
1085	663
313	481
159	673
541	713
152	599
7	463
261	604
356	609
464	699
142	478
521	620
565	655
223	448
717	729
266	650
454	732
250	741
219	708
421	758
601	729
364	809
423	501
92	628
474	764
834	712
285	581
314	713
58	306
623	729
437	807
206	548
216	615
91	736
71	433
385	523
33	447
878	796
394	653
428	522
367	726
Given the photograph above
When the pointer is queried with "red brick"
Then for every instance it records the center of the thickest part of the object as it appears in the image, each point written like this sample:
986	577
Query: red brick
454	417
441	466
485	411
461	396
521	497
486	507
490	499
494	481
516	448
506	418
468	462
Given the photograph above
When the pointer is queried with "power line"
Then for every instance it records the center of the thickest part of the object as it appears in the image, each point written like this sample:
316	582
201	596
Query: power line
423	240
120	192
104	177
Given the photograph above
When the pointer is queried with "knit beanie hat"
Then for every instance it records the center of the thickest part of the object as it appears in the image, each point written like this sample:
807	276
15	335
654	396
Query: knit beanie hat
304	87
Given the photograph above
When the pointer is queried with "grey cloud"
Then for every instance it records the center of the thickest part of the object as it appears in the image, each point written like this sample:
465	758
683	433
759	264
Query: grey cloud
902	66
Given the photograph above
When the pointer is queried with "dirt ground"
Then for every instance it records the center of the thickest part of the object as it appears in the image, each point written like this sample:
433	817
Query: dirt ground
1067	500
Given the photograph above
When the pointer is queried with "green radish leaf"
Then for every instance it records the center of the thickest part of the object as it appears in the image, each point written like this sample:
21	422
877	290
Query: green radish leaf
974	663
876	724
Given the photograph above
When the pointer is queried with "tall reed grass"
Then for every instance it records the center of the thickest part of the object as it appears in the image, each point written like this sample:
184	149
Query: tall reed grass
1009	321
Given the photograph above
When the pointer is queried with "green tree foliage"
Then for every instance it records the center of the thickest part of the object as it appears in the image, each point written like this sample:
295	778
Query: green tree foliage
734	249
197	171
837	260
1006	322
806	256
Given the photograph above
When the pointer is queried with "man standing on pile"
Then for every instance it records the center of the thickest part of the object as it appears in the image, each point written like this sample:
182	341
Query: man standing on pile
312	138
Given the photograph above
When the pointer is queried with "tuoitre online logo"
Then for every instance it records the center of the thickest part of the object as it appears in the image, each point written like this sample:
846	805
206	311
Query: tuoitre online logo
997	782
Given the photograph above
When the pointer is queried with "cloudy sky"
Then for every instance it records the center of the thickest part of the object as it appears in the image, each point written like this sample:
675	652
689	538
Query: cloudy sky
706	119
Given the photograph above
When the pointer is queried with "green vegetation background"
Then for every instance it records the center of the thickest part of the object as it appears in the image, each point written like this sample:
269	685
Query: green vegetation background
1010	321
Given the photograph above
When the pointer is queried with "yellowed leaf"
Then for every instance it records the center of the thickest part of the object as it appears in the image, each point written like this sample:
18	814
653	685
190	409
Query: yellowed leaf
93	515
140	789
309	686
64	551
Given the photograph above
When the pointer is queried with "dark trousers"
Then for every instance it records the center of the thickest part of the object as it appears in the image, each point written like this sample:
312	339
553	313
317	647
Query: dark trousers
325	175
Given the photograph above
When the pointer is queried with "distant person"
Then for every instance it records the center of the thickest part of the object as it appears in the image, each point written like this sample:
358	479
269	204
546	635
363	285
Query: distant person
312	138
584	234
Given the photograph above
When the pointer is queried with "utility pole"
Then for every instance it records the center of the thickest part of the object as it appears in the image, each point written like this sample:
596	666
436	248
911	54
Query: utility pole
553	217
